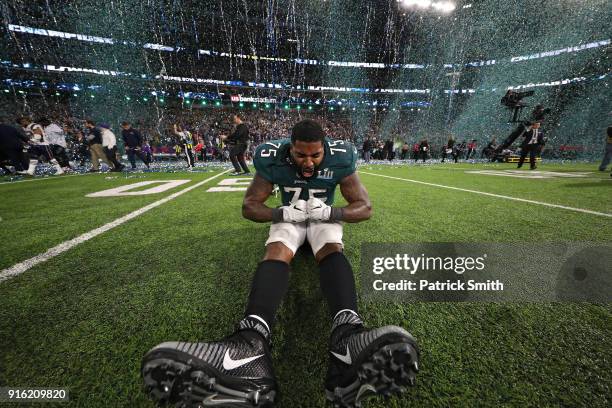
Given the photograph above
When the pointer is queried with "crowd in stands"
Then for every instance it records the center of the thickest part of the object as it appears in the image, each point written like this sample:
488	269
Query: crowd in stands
74	134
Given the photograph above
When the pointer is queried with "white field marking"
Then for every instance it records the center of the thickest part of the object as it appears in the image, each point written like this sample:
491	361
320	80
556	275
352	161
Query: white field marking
225	189
529	174
124	190
495	195
229	185
48	178
21	267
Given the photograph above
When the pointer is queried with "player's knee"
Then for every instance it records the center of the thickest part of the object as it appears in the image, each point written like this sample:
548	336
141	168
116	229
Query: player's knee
277	251
327	249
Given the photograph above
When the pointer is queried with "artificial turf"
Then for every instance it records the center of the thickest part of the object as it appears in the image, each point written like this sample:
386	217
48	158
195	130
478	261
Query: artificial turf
182	271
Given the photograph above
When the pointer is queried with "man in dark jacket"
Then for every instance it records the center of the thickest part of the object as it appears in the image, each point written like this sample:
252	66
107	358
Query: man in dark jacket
13	147
133	142
367	150
424	149
532	144
608	152
237	142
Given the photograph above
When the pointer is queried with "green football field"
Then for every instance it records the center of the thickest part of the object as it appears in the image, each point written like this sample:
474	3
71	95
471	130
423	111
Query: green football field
81	316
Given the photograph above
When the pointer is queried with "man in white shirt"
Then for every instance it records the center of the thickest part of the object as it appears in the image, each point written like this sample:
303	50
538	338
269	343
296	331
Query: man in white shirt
56	138
109	143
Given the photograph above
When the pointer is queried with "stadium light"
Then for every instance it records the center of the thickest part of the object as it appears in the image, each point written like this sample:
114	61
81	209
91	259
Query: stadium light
331	108
91	96
204	103
241	104
443	6
309	107
286	106
217	103
299	107
267	106
145	99
187	101
56	94
254	105
417	3
128	98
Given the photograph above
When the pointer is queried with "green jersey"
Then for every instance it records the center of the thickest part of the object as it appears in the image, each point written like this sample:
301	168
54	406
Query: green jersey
272	161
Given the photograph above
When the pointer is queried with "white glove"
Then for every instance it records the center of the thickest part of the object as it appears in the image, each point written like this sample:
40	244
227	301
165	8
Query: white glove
318	210
295	212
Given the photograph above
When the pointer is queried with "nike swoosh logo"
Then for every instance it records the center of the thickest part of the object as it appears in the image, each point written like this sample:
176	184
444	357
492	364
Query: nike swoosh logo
231	364
344	358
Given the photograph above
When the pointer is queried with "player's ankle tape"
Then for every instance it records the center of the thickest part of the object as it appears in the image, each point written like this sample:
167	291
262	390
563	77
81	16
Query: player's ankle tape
337	214
277	215
250	323
346	317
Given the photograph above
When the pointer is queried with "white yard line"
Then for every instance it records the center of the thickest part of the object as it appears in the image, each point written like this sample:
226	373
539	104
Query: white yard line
563	207
21	267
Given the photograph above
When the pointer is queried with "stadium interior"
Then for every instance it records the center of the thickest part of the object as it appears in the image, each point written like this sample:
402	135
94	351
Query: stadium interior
472	122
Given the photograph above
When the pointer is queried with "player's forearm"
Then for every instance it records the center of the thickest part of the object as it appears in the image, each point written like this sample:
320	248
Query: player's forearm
356	211
257	212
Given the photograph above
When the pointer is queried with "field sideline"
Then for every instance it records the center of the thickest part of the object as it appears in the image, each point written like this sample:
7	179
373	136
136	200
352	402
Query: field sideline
181	270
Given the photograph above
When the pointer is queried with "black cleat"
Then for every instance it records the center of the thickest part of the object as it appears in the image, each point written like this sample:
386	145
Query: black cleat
363	362
233	372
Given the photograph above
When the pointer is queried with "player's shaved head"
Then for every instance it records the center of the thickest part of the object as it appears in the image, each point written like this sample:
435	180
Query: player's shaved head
308	131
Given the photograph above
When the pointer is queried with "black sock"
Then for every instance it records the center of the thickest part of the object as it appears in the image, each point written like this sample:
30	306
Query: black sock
268	288
338	283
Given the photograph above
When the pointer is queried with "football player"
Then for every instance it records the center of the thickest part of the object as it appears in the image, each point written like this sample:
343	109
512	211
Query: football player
237	370
186	142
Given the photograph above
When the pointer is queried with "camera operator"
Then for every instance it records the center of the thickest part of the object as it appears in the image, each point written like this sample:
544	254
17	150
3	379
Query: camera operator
533	143
537	115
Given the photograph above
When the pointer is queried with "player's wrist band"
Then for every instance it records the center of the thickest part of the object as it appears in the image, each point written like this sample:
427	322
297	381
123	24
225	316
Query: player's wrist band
277	215
337	214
